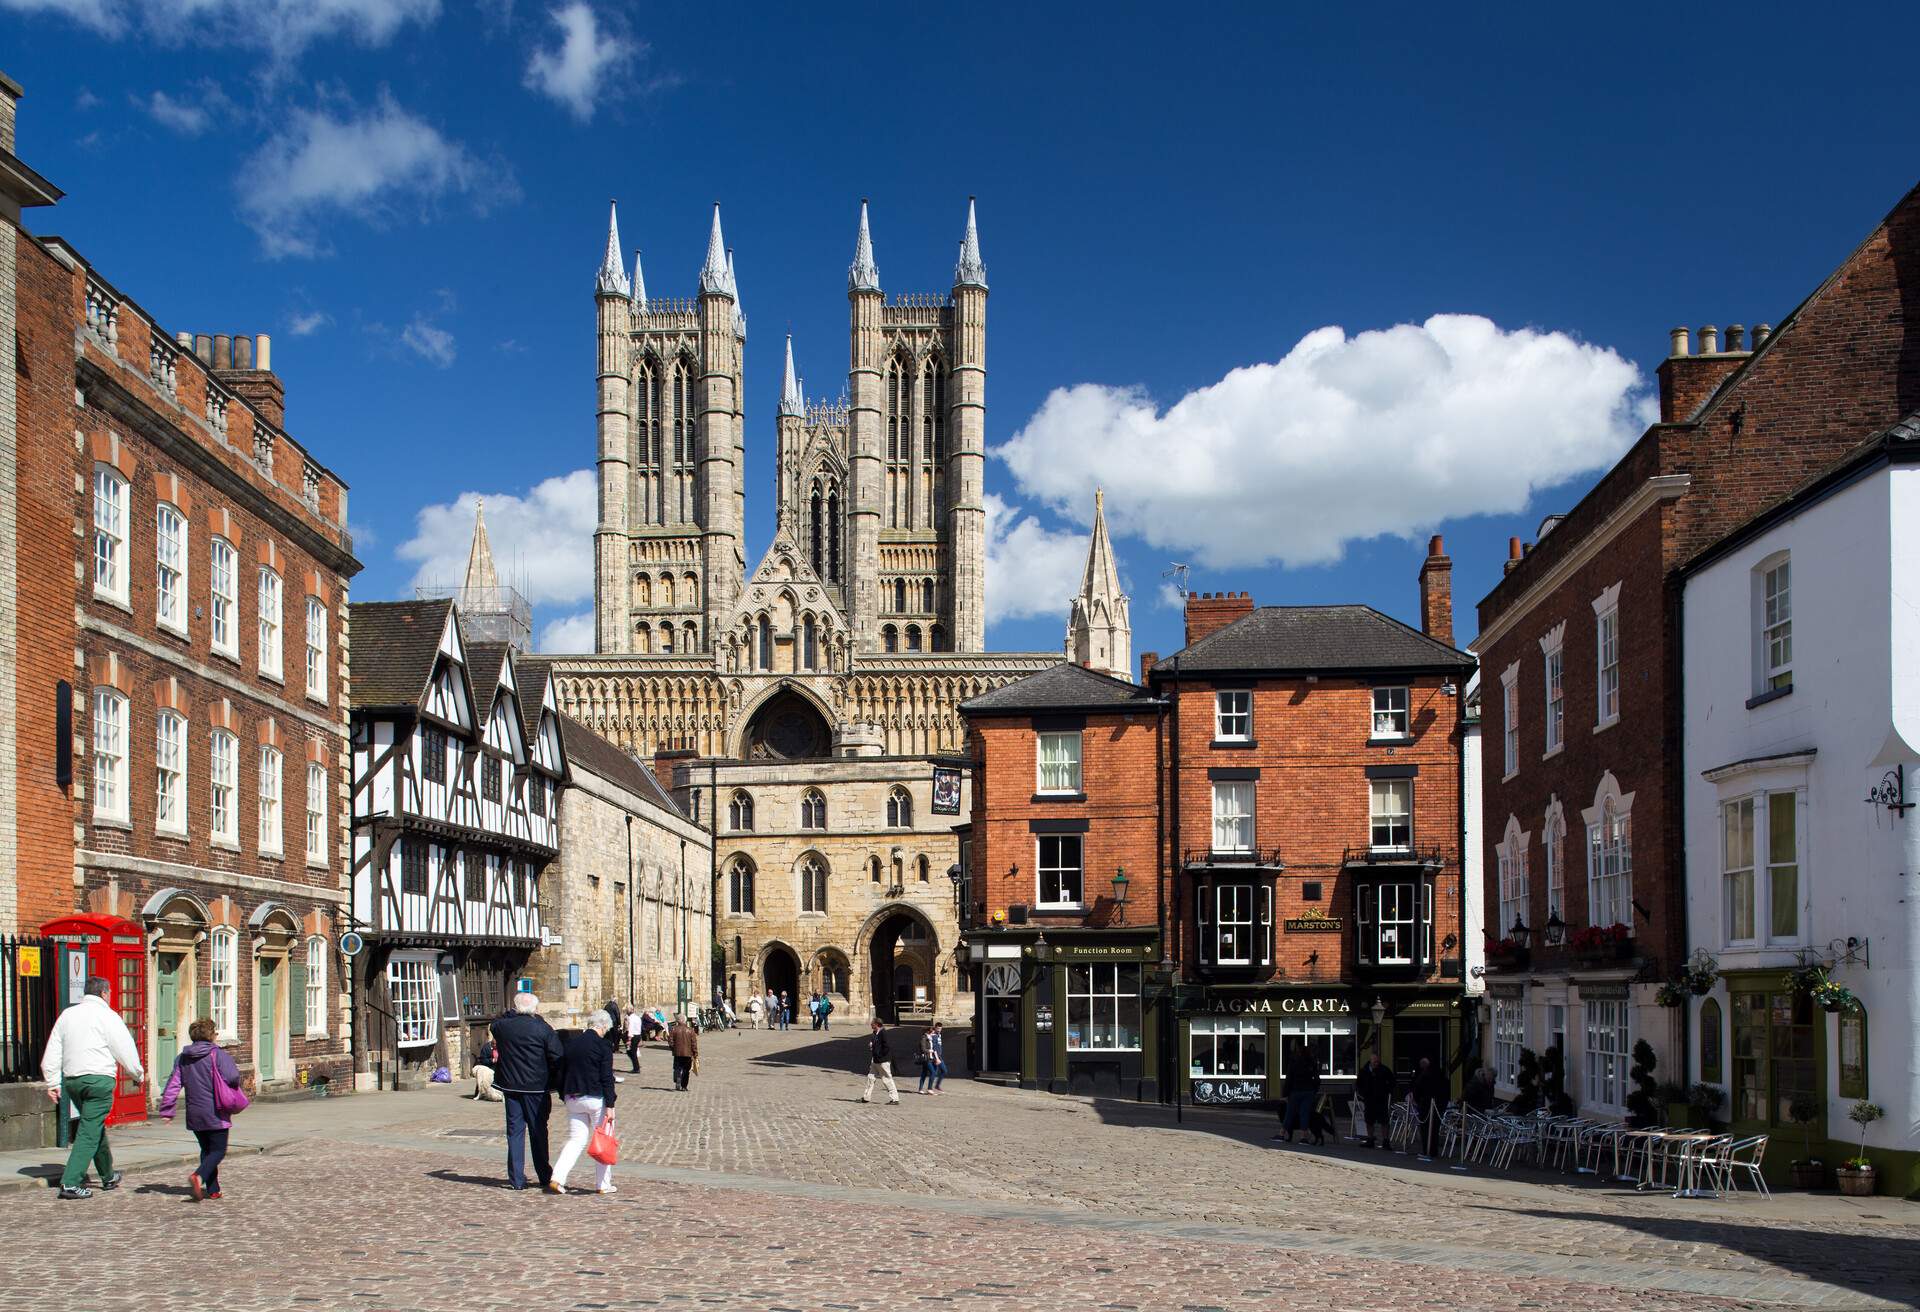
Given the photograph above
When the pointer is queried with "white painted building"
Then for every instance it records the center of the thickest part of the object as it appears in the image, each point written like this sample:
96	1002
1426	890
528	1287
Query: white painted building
1802	742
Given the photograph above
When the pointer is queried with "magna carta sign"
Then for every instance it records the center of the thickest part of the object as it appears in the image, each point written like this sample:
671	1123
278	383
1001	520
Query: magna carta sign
1313	921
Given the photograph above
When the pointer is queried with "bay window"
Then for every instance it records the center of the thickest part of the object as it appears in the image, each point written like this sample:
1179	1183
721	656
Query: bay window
1394	923
1761	865
1235	924
413	996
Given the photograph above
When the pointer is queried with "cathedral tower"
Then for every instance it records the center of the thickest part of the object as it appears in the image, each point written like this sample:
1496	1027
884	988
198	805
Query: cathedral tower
1099	630
612	296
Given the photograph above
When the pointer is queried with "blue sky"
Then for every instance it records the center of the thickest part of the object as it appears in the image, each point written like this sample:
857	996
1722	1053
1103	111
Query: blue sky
1298	287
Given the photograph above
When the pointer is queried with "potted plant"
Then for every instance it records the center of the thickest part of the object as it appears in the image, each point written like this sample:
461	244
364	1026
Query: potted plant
1553	1076
1833	997
1856	1173
1673	1097
1643	1107
1703	1100
1805	979
1809	1172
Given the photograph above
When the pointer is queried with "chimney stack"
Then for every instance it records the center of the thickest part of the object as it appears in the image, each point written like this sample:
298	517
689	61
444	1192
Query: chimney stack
1148	659
245	365
1688	379
1209	612
1436	592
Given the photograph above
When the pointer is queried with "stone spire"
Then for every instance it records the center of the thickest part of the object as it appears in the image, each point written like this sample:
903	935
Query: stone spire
639	284
613	279
480	570
862	276
739	315
1099	630
970	272
715	277
791	402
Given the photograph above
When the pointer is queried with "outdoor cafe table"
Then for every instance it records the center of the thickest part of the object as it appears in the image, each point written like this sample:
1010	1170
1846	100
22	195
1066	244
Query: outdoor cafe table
1689	1181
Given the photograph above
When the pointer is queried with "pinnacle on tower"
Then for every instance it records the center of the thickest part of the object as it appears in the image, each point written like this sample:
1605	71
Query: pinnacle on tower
969	271
639	284
480	570
791	401
1099	629
714	277
1102	577
613	279
733	285
862	276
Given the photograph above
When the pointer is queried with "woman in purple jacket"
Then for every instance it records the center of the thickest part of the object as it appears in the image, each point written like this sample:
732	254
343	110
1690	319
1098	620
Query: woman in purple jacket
193	1076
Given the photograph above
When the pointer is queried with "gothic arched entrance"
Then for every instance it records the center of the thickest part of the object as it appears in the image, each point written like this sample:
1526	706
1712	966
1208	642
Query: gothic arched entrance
900	971
780	973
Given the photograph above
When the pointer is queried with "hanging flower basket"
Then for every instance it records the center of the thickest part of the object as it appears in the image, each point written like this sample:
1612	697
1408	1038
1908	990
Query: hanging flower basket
1700	973
1671	995
1834	998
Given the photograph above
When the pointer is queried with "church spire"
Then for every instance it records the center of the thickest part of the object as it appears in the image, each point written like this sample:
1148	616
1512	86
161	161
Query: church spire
613	279
791	402
639	284
862	276
733	285
970	272
480	570
715	280
1099	630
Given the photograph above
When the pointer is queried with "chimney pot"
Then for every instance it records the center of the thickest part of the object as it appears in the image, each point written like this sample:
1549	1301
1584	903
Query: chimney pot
222	351
1709	339
1736	337
1514	551
183	340
1679	338
203	347
243	353
1761	332
263	353
1436	545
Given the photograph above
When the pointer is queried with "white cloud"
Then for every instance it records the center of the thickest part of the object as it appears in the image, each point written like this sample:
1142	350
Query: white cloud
381	164
306	324
189	114
86	100
1387	432
1032	570
542	541
283	28
571	634
575	71
107	17
428	341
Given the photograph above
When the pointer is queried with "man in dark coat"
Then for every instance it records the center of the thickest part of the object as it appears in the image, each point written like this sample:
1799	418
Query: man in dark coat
684	1040
527	1058
1300	1086
1431	1090
1374	1088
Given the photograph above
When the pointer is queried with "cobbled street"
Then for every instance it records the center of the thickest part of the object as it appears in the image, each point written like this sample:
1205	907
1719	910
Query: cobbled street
770	1186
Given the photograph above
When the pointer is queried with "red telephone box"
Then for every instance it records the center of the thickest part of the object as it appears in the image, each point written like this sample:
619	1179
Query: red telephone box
115	950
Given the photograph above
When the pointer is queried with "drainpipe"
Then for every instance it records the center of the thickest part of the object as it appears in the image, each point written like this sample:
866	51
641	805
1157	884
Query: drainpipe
1171	1042
633	996
1910	877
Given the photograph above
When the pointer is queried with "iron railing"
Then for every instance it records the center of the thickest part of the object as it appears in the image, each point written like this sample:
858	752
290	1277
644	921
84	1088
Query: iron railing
27	1006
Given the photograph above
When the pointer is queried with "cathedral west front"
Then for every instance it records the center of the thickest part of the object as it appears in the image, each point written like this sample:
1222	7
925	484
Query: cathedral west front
801	709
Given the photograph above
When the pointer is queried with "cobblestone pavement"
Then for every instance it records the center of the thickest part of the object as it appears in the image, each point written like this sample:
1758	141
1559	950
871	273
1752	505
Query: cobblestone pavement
771	1187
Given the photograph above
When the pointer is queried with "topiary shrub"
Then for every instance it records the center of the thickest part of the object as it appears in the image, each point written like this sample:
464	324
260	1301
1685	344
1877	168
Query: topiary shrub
1643	1104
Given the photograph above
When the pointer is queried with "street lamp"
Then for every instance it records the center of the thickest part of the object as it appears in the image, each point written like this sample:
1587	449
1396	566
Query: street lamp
1520	934
1555	931
1042	950
1119	886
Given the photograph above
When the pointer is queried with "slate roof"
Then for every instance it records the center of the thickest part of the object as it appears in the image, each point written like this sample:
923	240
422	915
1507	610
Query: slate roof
1316	640
587	750
393	649
1062	687
484	660
533	674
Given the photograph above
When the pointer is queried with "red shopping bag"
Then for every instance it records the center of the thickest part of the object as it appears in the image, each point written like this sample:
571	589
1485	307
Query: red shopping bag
604	1147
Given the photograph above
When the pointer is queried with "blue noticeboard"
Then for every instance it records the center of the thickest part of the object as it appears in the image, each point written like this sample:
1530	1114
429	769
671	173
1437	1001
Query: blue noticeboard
573	974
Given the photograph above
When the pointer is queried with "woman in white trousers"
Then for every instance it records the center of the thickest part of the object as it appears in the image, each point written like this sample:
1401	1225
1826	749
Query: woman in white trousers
586	1083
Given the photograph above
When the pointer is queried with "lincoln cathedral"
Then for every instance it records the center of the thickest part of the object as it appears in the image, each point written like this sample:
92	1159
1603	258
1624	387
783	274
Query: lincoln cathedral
800	709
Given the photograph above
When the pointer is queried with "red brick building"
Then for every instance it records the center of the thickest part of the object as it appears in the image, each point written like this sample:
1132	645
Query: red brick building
1579	648
181	581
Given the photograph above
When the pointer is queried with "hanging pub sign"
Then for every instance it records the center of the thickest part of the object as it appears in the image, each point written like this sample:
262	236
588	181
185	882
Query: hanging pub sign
946	790
1313	921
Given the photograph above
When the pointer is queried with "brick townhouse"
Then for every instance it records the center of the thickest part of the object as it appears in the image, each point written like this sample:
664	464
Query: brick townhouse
1580	647
181	581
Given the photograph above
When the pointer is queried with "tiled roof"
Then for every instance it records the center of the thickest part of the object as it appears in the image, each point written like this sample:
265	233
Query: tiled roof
1316	639
587	750
393	649
484	660
1063	687
533	674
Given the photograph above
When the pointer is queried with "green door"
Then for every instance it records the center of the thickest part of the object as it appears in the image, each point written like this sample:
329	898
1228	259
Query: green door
166	1014
266	1006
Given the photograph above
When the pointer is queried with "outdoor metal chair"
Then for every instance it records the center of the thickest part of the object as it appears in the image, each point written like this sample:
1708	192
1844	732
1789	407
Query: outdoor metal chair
1744	1156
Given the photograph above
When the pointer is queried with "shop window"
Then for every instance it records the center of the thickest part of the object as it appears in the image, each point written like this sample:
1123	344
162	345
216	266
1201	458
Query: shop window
413	996
1711	1023
1394	923
1103	1008
1223	1048
1853	1054
1774	1055
1333	1041
1509	1037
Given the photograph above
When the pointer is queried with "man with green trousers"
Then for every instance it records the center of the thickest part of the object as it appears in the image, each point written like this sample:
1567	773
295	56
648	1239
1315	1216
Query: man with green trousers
90	1044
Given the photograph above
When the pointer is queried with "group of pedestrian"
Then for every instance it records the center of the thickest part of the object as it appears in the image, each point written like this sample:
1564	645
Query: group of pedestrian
1374	1087
530	1063
933	1060
820	1008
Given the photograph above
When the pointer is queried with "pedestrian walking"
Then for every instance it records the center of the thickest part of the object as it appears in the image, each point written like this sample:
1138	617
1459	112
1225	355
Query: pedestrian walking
194	1073
586	1086
90	1045
755	1006
786	1010
938	1040
484	1058
813	1009
826	1011
615	1016
1374	1088
1430	1091
1300	1087
528	1059
684	1040
773	1010
880	1064
927	1060
636	1030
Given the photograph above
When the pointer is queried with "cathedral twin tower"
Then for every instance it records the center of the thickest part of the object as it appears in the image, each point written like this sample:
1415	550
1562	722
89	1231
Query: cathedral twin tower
880	502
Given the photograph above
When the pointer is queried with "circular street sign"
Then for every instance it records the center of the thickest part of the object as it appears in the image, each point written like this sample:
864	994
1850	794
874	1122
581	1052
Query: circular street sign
351	943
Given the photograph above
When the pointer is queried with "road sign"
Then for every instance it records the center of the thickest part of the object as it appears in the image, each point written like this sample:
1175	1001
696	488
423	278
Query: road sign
29	963
351	943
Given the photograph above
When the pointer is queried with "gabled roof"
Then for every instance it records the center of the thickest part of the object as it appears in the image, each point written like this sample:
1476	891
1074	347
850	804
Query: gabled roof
1317	640
484	660
589	751
534	673
1062	687
394	646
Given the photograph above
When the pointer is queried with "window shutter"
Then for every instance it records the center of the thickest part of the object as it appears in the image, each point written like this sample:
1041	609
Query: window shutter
203	1003
297	992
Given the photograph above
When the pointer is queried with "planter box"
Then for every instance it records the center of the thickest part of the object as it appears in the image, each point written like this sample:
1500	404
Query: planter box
1809	1175
1856	1184
1510	962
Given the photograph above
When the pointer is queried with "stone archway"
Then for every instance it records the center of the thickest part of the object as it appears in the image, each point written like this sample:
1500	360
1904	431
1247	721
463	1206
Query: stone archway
780	973
900	966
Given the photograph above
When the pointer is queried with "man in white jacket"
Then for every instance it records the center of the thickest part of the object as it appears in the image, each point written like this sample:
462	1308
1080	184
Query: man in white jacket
90	1045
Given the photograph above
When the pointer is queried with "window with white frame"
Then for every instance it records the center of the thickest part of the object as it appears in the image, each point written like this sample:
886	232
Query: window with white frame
1553	837
1103	1007
316	999
1556	701
1762	867
1606	1051
1233	715
413	996
170	568
316	649
1511	860
1059	762
1775	637
1510	719
1610	860
1390	713
109	754
1509	1036
110	496
1392	931
170	772
1061	878
1236	924
270	617
222	969
316	813
1606	657
224	604
1333	1041
223	773
1392	808
1233	816
270	825
1227	1047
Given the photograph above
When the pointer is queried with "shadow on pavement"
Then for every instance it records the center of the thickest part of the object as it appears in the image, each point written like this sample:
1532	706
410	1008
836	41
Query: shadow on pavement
845	1050
455	1177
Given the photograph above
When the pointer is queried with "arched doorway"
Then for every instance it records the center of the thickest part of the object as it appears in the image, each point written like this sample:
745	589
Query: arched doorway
901	957
781	973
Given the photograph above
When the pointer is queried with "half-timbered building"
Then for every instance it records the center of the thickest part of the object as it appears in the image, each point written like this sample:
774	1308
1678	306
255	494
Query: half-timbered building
455	817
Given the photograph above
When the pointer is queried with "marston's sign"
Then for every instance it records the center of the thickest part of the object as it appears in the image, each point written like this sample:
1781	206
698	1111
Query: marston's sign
1313	921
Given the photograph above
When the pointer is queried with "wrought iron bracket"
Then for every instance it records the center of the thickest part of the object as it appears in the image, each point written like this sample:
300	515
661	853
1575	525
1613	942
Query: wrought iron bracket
1891	792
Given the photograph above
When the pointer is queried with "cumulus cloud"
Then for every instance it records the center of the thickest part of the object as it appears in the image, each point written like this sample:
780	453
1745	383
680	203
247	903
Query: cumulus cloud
575	71
542	540
307	323
1032	570
381	164
282	28
189	113
570	634
1346	438
428	341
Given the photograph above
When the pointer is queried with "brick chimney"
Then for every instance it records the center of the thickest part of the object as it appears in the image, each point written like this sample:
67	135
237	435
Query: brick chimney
664	759
245	365
1689	378
1436	592
1148	659
1209	612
